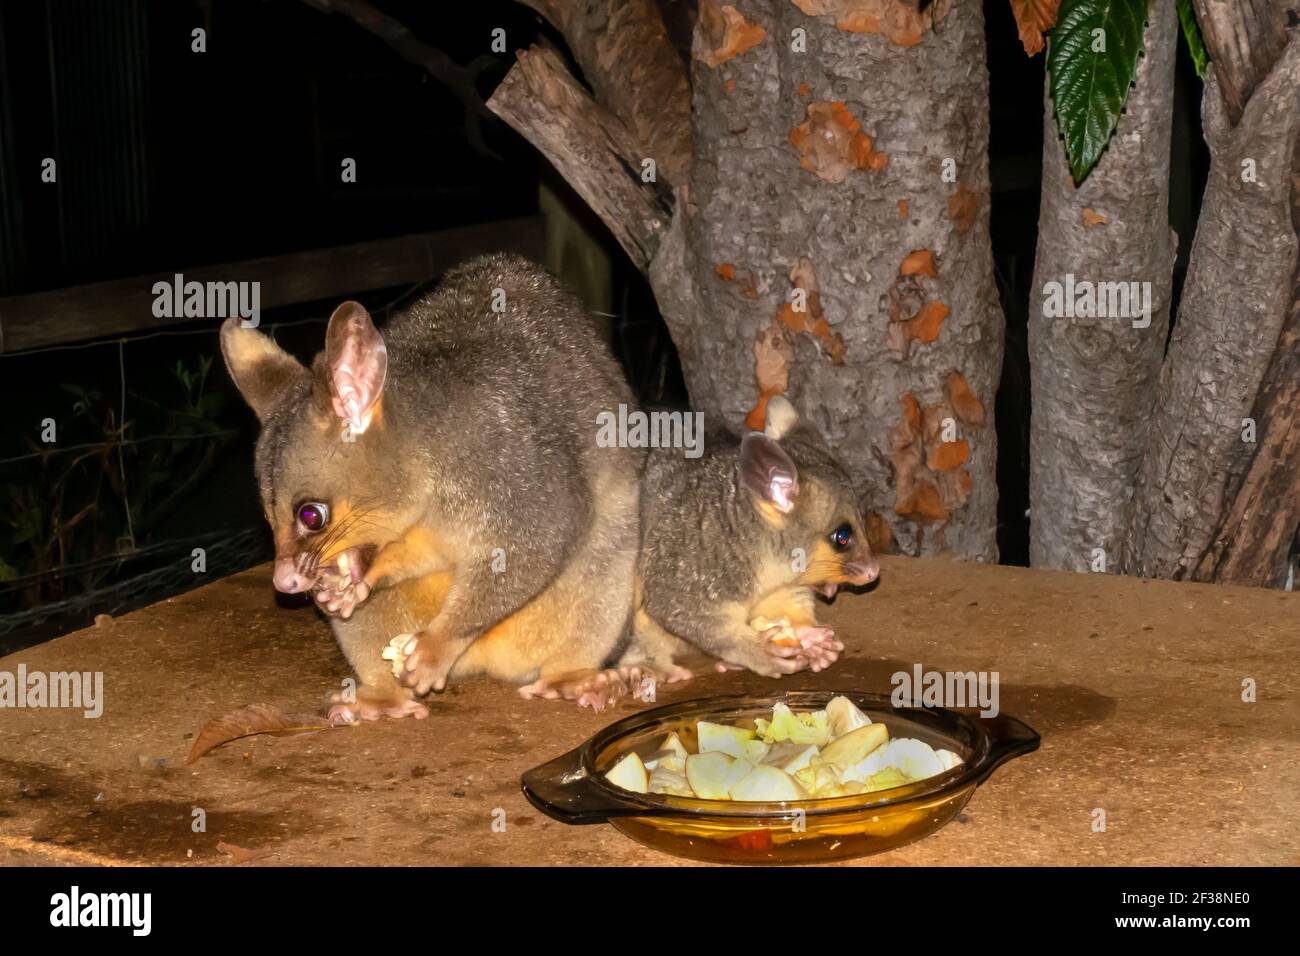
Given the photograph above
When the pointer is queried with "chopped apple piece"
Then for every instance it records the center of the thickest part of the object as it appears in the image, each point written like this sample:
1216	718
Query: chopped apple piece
948	759
884	780
915	758
723	738
768	784
629	773
674	743
672	782
713	774
855	745
817	777
786	725
667	759
790	757
756	750
843	716
874	762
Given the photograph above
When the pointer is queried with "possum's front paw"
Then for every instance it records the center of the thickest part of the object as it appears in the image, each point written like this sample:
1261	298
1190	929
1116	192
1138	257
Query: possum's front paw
341	588
423	661
768	656
819	646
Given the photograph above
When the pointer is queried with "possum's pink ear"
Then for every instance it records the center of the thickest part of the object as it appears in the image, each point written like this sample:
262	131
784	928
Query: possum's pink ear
767	471
357	363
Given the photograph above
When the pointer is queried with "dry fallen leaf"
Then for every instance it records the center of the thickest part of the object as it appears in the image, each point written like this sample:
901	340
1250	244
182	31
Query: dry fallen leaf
1033	19
239	853
249	721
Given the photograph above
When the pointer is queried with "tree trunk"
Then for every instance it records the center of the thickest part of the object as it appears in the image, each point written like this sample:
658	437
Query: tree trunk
1093	377
1230	355
834	246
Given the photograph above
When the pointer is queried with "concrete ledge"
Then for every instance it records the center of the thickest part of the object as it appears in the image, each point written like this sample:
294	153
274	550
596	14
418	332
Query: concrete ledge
1135	686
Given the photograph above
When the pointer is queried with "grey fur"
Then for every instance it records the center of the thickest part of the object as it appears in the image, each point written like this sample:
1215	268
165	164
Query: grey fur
488	428
705	543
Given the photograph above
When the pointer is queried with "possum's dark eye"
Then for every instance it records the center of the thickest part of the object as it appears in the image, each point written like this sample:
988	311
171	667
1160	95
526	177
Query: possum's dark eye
842	537
313	516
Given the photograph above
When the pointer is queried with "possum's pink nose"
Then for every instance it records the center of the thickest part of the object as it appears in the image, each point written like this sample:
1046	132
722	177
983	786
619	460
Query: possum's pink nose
864	572
288	579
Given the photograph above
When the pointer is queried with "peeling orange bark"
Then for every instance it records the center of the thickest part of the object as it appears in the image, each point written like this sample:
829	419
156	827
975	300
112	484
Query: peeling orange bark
919	262
773	355
724	33
727	271
963	206
902	209
968	408
925	327
1092	218
803	90
812	320
930	482
948	455
831	143
899	22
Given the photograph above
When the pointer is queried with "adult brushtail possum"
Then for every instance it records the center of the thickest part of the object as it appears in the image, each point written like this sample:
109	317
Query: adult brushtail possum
741	538
442	477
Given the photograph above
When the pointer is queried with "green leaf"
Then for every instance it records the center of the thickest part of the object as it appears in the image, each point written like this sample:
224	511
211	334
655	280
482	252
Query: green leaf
1192	34
1089	85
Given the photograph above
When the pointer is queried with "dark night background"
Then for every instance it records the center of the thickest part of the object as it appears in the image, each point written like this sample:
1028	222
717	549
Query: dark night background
170	160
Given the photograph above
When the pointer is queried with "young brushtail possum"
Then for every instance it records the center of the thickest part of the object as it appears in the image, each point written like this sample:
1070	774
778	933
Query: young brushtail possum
745	535
443	478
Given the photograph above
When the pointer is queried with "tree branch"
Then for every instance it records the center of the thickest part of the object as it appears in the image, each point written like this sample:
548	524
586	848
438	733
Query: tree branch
589	147
635	72
459	80
1244	39
1228	345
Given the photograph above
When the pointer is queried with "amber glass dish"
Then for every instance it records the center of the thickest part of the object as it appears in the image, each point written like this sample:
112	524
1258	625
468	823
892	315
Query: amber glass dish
572	788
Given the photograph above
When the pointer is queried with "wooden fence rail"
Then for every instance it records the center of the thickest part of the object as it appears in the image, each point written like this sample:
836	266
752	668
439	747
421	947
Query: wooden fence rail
121	306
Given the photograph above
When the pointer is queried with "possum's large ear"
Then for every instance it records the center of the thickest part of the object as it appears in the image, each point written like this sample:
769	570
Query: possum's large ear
781	417
767	471
357	364
263	372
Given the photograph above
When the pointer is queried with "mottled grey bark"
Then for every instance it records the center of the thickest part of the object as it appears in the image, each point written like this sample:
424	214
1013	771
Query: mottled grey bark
1093	378
724	271
1235	303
